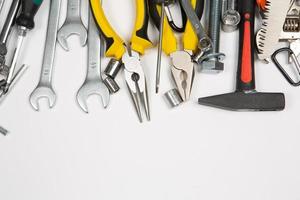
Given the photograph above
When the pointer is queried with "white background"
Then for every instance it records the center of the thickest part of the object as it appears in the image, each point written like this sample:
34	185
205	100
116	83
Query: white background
188	153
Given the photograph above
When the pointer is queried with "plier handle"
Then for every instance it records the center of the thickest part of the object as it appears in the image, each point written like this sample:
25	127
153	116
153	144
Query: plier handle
182	60
128	55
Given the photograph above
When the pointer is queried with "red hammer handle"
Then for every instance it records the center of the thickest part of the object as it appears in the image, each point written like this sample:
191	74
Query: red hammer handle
245	77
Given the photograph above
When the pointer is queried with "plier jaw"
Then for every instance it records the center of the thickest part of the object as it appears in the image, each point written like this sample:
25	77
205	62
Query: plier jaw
183	72
136	82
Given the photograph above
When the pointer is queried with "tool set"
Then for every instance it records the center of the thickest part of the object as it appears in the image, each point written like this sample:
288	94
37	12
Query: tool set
278	22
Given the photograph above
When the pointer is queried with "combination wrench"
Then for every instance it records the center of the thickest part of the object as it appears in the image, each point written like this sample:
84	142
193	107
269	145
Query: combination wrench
72	25
44	88
93	84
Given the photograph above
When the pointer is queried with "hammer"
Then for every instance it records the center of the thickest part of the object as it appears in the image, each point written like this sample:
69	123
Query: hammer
246	98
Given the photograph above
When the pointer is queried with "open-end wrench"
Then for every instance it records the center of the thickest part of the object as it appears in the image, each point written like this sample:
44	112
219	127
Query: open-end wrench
44	88
93	84
73	25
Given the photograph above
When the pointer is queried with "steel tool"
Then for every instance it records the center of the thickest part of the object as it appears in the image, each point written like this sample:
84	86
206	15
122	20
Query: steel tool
159	53
44	88
3	131
230	16
93	85
73	25
182	60
211	61
1	4
274	14
164	6
291	29
245	98
7	27
128	55
205	43
24	22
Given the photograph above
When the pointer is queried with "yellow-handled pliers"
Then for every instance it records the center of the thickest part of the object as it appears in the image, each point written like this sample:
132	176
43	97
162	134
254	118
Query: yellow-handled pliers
182	60
128	55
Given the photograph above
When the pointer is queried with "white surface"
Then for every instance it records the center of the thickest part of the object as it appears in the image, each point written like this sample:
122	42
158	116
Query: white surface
192	152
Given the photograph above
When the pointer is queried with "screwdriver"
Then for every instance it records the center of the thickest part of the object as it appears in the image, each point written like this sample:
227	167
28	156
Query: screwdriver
24	22
161	30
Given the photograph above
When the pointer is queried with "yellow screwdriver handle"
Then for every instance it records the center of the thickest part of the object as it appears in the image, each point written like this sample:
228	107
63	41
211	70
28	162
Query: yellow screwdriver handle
140	41
190	38
114	43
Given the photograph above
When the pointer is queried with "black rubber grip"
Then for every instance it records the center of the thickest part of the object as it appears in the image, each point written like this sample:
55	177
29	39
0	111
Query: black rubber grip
29	9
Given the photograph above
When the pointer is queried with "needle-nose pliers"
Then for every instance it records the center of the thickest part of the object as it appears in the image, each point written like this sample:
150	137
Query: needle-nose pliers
128	55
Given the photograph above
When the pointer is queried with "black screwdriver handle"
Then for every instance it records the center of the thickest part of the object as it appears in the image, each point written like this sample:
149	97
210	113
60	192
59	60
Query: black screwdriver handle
246	74
28	12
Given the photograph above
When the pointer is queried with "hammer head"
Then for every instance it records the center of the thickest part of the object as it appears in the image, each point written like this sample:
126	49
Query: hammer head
243	101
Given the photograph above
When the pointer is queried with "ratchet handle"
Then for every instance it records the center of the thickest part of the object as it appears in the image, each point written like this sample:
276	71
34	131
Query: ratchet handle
28	12
140	40
245	76
190	38
114	44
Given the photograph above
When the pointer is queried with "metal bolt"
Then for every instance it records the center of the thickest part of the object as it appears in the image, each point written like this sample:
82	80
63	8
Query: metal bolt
211	61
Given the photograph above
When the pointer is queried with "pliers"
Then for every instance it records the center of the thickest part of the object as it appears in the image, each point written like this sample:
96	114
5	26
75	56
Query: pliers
128	55
182	69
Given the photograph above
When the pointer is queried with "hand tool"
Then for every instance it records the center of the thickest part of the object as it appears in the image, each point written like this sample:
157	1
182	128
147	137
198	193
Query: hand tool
205	43
3	131
211	61
73	25
7	27
1	4
164	11
182	60
159	53
93	85
281	68
24	22
174	98
44	88
128	55
230	16
267	38
245	98
291	29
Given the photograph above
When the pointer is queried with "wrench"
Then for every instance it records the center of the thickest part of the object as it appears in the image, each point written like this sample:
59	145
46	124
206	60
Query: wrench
72	25
93	84
44	87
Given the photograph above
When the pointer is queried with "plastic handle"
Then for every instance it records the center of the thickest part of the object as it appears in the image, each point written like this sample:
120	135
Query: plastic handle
140	40
190	38
169	42
245	76
114	44
28	12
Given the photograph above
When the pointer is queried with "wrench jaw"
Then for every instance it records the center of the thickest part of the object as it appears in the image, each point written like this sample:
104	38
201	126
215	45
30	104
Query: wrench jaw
89	89
69	29
42	92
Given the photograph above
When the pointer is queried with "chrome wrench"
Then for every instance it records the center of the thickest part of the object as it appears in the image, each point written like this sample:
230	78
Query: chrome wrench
73	25
93	84
44	88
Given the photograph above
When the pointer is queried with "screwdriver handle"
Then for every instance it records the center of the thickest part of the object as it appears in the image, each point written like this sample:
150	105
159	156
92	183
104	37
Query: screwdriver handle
28	12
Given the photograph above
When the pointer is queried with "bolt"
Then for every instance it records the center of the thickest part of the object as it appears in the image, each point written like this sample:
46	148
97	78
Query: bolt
211	61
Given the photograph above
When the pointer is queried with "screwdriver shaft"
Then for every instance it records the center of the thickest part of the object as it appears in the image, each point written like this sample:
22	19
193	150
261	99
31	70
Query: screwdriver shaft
159	55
